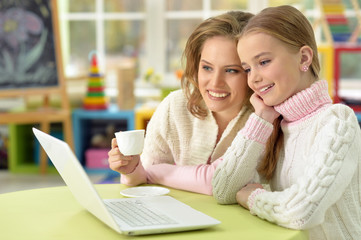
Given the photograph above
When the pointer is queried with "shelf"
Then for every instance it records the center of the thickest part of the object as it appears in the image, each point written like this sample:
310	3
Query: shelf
142	117
86	123
22	150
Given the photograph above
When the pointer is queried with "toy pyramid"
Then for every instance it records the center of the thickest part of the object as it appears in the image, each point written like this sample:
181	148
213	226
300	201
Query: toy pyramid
95	98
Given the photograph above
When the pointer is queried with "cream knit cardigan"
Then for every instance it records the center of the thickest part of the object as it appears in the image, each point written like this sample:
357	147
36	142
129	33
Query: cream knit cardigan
175	136
317	183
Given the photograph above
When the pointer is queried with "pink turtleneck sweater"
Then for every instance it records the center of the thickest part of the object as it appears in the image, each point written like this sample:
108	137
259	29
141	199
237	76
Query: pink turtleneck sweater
317	182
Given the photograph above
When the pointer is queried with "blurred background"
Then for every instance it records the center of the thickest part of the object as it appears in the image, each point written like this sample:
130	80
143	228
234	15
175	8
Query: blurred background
147	38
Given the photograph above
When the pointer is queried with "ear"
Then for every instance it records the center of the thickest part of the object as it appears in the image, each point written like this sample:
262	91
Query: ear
306	58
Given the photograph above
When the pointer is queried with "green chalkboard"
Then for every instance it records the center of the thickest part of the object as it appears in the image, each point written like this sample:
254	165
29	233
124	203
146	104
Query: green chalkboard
27	45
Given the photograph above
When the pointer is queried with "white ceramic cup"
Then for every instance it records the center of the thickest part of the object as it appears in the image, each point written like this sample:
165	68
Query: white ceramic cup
130	142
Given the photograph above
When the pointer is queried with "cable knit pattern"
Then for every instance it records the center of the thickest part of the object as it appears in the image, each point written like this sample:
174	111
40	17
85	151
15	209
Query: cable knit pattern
317	183
241	159
175	136
317	174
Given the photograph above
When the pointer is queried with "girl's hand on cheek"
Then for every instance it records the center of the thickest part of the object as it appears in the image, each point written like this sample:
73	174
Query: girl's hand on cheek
262	110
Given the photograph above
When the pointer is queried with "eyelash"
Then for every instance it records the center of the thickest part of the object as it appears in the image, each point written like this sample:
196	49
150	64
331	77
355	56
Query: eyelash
227	70
232	71
262	63
206	68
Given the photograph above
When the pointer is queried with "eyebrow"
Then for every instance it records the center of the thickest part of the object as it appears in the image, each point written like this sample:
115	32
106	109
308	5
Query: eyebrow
202	60
227	66
257	57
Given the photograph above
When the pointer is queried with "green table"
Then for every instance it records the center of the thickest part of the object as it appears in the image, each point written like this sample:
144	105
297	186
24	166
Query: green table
53	213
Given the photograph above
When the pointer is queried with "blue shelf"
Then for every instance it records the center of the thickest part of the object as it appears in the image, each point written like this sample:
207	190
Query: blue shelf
85	120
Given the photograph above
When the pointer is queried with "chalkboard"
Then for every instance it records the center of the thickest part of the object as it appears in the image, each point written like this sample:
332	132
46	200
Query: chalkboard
28	51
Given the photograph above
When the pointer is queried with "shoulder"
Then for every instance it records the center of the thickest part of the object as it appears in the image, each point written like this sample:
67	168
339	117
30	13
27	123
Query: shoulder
173	108
175	95
174	99
335	121
338	113
338	122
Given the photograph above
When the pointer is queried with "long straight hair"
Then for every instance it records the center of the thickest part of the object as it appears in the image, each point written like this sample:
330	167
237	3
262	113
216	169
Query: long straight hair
291	27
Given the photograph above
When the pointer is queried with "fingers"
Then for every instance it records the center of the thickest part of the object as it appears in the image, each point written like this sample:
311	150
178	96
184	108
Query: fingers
255	99
120	163
262	110
114	155
117	161
114	143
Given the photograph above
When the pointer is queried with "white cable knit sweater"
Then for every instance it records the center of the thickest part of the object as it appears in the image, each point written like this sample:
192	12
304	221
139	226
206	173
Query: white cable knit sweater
175	136
317	183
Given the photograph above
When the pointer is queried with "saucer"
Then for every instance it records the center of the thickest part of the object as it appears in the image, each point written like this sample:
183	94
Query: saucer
148	191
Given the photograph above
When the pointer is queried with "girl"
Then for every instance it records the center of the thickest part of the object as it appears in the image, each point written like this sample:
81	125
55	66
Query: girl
313	160
193	127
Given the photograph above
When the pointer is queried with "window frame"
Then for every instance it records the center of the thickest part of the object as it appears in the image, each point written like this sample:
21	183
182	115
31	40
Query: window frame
155	16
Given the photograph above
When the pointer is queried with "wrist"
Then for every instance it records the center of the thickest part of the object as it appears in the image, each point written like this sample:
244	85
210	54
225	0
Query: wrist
132	170
253	195
266	116
257	129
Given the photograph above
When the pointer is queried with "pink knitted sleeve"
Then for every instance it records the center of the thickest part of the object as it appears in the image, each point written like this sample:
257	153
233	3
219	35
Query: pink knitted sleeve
190	178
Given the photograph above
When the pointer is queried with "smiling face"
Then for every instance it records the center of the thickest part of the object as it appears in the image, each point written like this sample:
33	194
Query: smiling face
274	70
222	81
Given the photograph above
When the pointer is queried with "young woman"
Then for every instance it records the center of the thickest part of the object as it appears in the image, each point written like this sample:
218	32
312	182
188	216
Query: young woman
313	160
194	126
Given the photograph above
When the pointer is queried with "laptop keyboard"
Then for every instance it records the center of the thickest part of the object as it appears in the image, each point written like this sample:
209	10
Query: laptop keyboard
136	213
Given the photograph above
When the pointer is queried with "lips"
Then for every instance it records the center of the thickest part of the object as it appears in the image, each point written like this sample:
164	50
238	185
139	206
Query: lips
264	89
218	95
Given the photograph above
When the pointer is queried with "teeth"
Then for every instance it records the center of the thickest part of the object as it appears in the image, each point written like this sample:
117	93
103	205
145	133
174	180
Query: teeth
219	95
265	88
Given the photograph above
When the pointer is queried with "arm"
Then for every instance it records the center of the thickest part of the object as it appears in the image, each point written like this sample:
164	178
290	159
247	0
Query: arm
138	176
304	204
241	159
189	178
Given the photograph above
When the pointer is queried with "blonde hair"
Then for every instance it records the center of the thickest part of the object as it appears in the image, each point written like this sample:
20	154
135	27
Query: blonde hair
290	26
229	25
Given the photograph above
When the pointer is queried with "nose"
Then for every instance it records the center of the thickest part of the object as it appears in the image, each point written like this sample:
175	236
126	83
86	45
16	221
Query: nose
218	79
254	77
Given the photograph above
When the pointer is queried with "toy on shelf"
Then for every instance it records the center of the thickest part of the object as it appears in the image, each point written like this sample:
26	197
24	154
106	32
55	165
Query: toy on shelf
334	19
95	98
337	20
340	38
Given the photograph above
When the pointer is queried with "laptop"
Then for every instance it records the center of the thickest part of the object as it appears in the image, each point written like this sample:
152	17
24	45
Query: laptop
158	214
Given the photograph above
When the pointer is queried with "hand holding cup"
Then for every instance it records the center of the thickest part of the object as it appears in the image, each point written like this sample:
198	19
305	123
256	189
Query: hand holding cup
124	156
130	142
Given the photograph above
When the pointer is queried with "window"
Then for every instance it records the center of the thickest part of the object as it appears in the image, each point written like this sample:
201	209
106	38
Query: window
147	33
115	29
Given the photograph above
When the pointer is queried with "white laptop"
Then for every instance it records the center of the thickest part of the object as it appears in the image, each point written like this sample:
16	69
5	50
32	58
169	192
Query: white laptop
168	214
